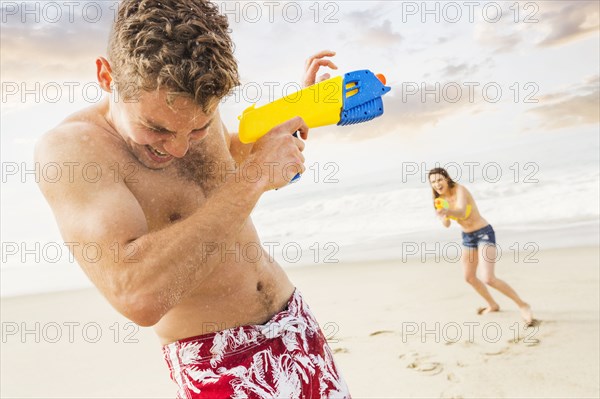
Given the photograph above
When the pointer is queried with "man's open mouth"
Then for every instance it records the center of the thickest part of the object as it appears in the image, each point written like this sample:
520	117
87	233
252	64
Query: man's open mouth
157	155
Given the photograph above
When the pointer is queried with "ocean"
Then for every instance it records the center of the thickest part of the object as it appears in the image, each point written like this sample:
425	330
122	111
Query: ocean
362	201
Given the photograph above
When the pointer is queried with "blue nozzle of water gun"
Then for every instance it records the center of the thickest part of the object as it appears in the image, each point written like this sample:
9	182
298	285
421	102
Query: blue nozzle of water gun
366	104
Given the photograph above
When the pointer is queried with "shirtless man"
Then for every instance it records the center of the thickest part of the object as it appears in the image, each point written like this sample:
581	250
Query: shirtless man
476	231
170	210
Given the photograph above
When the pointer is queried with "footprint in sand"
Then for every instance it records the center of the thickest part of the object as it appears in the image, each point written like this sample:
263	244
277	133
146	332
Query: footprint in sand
432	368
412	354
451	395
379	332
334	339
429	368
452	377
340	350
426	368
498	352
534	323
527	341
515	340
526	337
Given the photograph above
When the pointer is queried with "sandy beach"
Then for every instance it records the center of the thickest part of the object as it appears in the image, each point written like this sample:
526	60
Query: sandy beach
114	126
398	330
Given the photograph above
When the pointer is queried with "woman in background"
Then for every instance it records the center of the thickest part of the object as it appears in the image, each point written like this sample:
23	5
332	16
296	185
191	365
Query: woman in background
455	202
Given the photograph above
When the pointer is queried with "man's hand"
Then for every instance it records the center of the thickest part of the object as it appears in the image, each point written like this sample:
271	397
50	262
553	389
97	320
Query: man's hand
238	150
278	155
312	66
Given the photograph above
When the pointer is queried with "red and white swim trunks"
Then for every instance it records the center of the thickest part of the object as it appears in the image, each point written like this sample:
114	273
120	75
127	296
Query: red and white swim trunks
288	357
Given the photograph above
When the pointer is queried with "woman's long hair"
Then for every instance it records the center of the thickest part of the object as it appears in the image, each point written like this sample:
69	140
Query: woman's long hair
443	172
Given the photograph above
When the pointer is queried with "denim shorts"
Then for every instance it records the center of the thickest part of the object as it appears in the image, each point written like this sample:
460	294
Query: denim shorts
483	235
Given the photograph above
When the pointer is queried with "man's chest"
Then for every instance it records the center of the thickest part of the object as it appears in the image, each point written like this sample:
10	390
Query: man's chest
175	192
166	199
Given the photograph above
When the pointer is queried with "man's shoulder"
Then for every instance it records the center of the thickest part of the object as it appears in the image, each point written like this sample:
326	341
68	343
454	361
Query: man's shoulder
76	139
78	151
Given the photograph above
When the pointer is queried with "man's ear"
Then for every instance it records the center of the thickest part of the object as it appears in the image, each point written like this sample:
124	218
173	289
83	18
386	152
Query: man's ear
103	74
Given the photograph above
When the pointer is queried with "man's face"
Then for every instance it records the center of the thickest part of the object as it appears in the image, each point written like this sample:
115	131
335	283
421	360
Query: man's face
438	183
157	133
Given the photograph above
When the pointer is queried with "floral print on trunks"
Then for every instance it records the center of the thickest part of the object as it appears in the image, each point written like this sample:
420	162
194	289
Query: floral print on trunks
288	357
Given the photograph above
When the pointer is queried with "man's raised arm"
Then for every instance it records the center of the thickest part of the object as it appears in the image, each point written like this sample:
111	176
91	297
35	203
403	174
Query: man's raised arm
144	274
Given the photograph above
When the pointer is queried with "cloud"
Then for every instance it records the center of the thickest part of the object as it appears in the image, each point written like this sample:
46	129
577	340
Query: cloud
464	69
569	108
410	109
569	21
381	35
50	51
544	24
372	28
487	35
458	69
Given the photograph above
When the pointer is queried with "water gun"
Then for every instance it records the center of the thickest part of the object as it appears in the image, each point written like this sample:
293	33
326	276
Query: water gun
440	203
353	98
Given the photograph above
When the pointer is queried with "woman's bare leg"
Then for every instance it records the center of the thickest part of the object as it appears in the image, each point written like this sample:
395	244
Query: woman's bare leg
469	261
488	263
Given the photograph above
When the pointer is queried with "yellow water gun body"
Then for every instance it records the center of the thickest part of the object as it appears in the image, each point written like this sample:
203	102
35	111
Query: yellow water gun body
353	98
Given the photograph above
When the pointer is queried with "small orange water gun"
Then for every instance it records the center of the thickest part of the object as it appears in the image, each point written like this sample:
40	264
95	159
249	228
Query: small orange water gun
442	203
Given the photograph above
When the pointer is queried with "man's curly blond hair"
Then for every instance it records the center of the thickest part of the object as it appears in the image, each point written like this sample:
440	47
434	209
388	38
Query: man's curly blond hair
182	46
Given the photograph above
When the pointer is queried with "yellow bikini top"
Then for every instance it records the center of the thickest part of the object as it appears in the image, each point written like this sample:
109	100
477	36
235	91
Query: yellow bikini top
440	203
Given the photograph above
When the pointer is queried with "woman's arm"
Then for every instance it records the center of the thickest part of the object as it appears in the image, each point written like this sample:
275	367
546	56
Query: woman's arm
446	222
441	213
460	208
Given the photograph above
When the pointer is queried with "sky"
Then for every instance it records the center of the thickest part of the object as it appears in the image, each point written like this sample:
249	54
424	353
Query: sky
552	45
469	80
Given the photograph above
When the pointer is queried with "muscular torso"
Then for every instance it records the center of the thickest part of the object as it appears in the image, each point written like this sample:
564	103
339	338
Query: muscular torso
243	289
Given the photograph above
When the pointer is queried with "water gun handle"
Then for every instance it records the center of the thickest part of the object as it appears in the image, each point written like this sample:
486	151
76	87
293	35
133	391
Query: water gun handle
298	175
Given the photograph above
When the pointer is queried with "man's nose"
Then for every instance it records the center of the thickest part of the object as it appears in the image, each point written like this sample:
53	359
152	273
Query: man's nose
177	146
